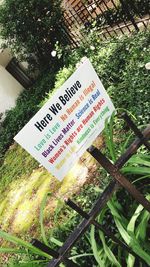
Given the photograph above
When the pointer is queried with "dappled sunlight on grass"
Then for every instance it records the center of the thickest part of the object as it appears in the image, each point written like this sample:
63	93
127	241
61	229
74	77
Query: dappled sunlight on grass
78	172
44	187
20	202
24	216
3	206
20	207
18	164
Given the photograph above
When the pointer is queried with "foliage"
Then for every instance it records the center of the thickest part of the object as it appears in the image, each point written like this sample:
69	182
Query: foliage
124	77
122	216
24	251
127	228
32	29
120	64
26	248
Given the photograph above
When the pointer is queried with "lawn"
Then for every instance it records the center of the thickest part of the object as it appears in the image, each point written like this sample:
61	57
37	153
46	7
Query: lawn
24	184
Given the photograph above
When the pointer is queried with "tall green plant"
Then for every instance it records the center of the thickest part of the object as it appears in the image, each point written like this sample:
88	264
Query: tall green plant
131	228
25	247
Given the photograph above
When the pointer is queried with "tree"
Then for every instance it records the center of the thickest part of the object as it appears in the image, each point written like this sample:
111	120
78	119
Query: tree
31	28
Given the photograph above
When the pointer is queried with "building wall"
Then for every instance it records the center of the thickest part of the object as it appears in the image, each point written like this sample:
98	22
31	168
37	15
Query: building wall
10	89
5	57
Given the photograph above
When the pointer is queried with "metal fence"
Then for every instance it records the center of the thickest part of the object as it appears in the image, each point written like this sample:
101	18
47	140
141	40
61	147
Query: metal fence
90	218
80	16
112	17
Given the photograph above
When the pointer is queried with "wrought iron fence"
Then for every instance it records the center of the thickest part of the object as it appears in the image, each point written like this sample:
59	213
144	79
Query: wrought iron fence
111	17
90	218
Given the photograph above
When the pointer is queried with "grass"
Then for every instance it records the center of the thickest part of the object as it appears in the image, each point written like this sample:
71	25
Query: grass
26	193
23	186
16	164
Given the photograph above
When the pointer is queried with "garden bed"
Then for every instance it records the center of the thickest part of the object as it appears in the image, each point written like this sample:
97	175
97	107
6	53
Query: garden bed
120	64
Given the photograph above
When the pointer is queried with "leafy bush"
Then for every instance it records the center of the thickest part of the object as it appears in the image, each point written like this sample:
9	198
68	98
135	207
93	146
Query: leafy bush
122	216
32	29
120	64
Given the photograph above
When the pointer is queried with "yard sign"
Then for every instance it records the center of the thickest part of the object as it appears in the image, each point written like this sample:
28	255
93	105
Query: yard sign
68	123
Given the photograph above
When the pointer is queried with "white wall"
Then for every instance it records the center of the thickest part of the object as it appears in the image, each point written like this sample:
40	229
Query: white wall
5	57
10	89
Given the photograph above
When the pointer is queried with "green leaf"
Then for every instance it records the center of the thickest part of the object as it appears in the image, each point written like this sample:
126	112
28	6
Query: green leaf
23	243
131	228
42	207
130	260
126	237
115	212
141	231
141	178
109	136
131	224
81	256
108	252
139	159
95	248
12	250
136	170
56	241
132	242
142	227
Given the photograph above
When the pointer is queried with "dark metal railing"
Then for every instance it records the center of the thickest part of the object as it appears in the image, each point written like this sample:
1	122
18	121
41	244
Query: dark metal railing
118	180
79	15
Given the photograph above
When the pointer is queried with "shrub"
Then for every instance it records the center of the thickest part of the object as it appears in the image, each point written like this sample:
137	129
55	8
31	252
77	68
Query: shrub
120	64
32	29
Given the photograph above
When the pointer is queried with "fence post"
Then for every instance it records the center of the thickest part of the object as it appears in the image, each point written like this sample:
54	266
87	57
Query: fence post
126	8
114	172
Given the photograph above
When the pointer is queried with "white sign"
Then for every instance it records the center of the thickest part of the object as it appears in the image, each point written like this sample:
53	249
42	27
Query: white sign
68	123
